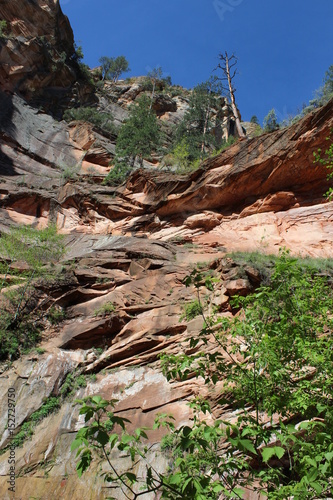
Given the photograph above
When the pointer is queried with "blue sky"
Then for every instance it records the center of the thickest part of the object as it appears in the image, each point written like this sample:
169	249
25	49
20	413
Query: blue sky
283	47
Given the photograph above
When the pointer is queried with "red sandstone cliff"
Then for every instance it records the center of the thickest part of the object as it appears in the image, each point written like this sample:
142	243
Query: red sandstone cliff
131	246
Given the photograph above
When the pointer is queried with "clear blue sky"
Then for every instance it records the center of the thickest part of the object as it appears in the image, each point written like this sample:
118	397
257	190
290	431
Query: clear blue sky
283	47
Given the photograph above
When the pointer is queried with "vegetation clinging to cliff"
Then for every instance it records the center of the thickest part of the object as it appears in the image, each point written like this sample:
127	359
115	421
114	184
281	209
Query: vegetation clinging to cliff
26	255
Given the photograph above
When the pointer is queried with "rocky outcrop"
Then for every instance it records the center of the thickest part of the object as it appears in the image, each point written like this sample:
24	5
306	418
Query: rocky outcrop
265	190
37	53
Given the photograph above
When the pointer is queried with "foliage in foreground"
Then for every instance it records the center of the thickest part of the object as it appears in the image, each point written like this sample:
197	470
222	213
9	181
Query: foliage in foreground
273	365
19	326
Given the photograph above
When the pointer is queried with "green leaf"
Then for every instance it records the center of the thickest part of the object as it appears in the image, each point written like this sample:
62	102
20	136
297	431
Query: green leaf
186	431
329	456
176	479
317	487
247	445
238	491
310	461
131	477
209	285
96	399
268	453
186	483
312	474
102	437
120	421
76	444
113	439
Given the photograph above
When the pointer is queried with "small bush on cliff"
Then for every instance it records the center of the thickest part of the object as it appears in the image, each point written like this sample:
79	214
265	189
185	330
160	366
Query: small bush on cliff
225	145
191	310
254	119
326	158
105	309
272	365
3	28
118	174
25	257
49	406
324	93
56	315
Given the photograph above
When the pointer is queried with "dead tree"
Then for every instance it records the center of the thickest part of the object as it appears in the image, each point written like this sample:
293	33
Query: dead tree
227	66
155	75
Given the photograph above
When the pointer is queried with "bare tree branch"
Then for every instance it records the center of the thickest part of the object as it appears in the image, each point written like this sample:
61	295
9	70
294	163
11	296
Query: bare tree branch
226	66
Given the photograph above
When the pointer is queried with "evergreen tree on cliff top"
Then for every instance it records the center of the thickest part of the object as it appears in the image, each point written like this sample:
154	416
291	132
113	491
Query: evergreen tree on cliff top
113	67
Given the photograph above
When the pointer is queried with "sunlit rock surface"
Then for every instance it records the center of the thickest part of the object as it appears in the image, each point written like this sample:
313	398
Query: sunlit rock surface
130	248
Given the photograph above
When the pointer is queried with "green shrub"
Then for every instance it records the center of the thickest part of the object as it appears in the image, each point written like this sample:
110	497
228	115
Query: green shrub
325	158
3	28
55	315
263	263
258	131
117	175
19	315
98	350
254	119
139	136
69	173
113	67
72	383
105	309
191	310
271	122
225	145
50	405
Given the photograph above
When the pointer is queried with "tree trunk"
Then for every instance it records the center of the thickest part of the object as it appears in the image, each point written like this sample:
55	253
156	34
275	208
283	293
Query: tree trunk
152	96
233	103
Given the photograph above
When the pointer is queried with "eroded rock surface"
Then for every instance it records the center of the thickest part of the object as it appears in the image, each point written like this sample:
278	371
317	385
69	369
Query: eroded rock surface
117	350
130	248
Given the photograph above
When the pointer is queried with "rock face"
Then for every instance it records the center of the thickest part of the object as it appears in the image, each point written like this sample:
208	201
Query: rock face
130	248
116	351
262	192
37	53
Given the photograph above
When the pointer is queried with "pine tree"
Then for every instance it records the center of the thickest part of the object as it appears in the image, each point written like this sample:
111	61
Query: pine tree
271	122
139	136
197	123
